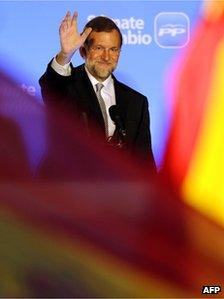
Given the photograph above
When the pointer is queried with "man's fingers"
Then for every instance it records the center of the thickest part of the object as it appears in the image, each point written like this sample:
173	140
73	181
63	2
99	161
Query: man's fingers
74	18
86	33
66	22
69	25
68	18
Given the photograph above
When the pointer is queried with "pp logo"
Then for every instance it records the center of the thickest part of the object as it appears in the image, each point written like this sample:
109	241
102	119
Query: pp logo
172	29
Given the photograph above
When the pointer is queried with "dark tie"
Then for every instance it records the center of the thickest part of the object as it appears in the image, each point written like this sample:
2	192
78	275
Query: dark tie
99	86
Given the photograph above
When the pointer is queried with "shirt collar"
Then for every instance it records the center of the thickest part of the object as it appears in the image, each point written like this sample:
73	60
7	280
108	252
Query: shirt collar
106	83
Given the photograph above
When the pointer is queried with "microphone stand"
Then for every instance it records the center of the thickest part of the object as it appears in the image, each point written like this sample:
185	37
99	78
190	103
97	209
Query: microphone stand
118	139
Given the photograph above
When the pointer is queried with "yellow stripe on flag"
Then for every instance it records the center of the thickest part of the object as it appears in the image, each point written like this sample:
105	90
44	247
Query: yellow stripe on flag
203	186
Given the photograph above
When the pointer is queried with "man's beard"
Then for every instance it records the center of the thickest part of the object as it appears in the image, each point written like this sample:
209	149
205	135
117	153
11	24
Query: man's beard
99	72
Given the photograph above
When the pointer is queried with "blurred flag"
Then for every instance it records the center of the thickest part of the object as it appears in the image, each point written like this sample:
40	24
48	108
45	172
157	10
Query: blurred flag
194	159
83	221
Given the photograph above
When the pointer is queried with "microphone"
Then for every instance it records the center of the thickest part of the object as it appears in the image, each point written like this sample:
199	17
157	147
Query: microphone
115	116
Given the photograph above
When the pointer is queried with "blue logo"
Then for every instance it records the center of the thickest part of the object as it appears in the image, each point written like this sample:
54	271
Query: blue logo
172	29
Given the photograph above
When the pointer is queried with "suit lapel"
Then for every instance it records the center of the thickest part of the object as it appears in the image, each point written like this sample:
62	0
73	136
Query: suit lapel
121	99
87	96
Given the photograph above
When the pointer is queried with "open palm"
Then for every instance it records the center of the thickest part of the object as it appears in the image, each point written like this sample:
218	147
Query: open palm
70	39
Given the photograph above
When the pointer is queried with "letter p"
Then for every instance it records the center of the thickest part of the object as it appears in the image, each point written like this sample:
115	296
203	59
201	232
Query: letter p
217	289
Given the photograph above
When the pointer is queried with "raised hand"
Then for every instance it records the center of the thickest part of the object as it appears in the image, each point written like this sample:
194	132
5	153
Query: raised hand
70	39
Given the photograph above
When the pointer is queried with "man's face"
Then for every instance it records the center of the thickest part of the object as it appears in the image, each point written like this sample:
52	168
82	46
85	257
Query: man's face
102	54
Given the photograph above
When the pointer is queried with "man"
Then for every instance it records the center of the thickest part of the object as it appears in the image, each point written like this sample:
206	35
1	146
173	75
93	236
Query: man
90	89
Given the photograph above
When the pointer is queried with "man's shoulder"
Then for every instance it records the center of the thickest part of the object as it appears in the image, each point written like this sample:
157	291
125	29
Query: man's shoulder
77	70
127	89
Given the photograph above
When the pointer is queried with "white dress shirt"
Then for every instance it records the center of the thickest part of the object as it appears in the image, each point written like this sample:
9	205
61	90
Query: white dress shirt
107	92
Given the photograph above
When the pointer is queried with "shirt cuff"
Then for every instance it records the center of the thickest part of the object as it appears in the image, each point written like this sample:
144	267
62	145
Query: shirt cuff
63	70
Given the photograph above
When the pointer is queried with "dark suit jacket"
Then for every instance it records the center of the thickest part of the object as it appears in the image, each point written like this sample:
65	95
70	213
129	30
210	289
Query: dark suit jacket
76	93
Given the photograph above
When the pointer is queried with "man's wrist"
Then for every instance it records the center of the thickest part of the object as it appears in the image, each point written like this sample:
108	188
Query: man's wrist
63	70
63	58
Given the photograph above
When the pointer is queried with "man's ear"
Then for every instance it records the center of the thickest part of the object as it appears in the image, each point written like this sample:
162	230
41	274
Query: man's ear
82	52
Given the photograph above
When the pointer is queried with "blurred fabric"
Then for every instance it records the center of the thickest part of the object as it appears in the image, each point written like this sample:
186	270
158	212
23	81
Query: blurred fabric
194	160
79	219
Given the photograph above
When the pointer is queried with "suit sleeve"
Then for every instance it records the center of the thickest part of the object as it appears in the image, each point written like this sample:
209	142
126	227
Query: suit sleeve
143	145
54	87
